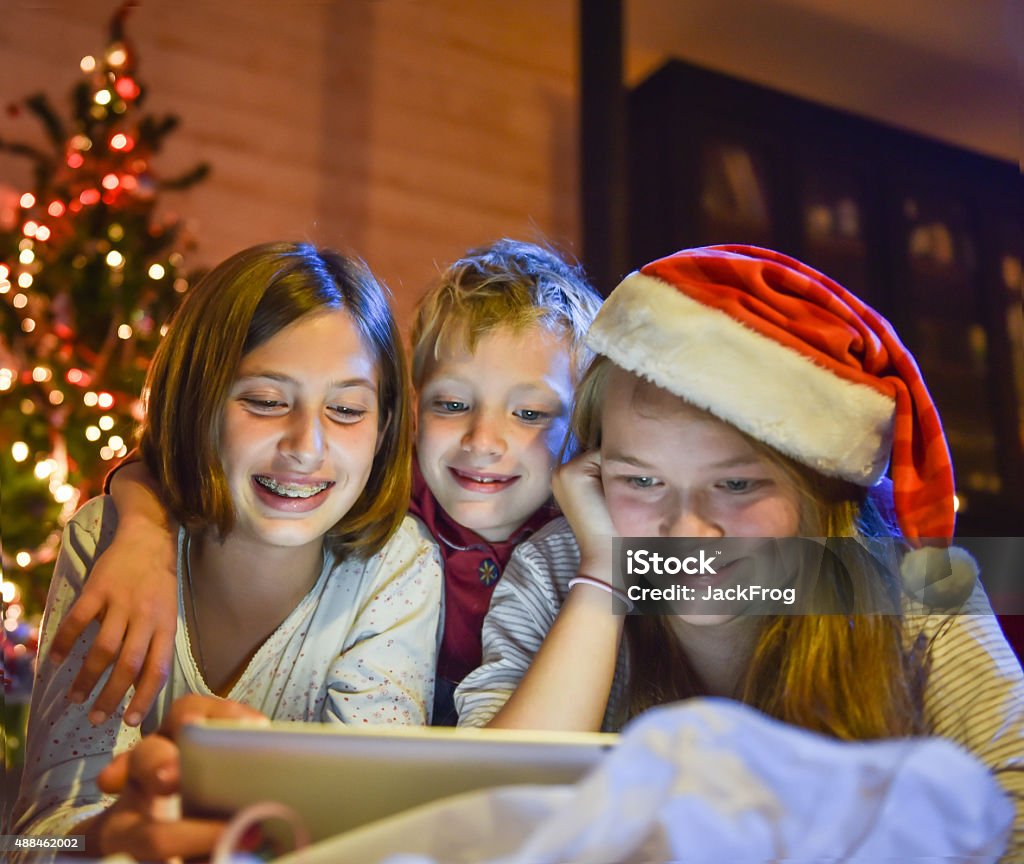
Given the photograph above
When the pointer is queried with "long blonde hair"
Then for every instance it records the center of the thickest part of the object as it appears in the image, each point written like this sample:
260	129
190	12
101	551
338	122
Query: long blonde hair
848	676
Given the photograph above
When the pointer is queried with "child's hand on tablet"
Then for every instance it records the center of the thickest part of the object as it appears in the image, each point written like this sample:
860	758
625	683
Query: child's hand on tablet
190	708
194	707
146	820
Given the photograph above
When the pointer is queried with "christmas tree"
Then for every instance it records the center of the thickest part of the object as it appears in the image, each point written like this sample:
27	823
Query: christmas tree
89	274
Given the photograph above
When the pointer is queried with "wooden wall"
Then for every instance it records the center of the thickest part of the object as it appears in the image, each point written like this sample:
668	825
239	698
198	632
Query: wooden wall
404	131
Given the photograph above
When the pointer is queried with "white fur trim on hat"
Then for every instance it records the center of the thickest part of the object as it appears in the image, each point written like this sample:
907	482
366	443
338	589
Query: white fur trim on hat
771	392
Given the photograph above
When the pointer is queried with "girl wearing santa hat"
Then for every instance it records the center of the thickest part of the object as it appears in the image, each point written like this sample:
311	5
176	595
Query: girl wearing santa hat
739	393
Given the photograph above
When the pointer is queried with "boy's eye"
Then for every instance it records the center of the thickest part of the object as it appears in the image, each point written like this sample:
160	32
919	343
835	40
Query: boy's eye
451	406
530	415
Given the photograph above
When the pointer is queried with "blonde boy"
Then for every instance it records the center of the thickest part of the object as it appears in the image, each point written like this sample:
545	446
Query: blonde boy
497	348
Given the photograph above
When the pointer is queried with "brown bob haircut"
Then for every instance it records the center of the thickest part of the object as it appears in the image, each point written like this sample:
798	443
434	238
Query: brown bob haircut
236	307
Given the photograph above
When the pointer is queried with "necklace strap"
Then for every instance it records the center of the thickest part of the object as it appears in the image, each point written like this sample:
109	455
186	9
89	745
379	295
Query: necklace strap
194	631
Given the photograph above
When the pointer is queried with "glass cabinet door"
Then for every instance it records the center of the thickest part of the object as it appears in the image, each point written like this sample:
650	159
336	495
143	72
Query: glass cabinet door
834	225
948	335
1011	271
734	202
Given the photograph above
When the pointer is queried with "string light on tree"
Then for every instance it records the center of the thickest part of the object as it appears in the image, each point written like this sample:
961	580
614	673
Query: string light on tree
90	270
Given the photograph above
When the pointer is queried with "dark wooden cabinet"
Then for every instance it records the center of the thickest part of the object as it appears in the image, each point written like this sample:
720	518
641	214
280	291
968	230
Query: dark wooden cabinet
931	235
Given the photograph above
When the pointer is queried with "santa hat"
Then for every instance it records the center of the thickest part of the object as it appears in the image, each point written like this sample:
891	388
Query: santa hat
790	357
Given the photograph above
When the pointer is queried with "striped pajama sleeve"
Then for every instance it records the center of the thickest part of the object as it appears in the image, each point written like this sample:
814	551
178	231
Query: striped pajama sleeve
523	608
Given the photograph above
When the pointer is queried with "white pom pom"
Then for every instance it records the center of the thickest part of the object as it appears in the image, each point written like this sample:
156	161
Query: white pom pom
942	578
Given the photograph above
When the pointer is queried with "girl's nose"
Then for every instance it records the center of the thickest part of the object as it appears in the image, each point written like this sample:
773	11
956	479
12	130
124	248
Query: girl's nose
303	441
690	517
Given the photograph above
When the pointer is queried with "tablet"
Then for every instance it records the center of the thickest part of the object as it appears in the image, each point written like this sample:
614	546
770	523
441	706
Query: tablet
341	777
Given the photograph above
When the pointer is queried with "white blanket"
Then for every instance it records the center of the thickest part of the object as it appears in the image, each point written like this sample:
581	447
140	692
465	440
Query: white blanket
712	781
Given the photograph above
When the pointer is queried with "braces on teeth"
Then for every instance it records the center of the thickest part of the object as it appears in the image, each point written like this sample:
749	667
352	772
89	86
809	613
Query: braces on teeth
291	490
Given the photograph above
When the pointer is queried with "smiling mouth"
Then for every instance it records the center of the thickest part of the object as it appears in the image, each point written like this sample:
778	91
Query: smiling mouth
480	478
292	490
482	482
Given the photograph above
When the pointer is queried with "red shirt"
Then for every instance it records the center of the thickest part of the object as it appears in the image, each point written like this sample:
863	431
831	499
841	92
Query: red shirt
472	567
